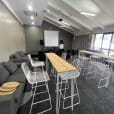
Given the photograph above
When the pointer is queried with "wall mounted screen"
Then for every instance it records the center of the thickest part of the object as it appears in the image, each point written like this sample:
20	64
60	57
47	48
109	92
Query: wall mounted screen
51	38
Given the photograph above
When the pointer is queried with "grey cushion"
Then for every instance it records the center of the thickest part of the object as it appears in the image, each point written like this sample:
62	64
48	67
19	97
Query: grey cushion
4	74
11	67
21	53
17	55
18	76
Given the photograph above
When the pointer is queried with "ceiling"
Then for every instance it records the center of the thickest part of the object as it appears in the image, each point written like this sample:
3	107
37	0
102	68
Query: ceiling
68	10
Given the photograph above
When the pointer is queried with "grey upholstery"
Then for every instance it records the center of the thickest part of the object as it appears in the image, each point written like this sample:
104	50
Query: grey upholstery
4	74
9	104
21	53
12	67
18	76
19	57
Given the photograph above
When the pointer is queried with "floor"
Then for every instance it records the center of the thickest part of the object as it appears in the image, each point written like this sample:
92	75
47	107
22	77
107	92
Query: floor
93	100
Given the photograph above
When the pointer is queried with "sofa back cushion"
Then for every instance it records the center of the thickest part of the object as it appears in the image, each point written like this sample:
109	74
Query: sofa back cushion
20	53
17	55
4	74
11	66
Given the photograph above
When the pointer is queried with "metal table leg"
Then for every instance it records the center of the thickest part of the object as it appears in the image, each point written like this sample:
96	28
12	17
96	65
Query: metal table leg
72	93
57	95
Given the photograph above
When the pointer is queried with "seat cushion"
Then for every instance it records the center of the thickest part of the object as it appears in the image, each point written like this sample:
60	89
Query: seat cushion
18	76
11	66
4	74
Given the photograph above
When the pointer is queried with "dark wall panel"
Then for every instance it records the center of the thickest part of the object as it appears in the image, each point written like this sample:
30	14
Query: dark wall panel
81	42
34	34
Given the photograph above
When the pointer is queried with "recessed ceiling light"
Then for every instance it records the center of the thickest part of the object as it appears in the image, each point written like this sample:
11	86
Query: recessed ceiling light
31	17
32	23
30	8
87	14
48	11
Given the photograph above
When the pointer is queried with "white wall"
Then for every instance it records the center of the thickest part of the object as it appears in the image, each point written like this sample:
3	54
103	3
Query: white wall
12	36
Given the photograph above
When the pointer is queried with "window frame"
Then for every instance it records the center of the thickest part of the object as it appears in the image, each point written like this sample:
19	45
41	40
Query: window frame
109	49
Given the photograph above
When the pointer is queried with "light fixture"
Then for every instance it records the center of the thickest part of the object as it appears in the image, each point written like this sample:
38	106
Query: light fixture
48	11
30	8
31	17
32	23
87	14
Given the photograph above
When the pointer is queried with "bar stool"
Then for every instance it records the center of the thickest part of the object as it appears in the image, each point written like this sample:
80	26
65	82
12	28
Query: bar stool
91	69
35	64
77	63
84	64
70	78
105	77
35	78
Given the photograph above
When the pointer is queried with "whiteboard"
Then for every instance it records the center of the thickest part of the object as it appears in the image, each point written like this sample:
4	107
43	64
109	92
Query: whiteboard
51	38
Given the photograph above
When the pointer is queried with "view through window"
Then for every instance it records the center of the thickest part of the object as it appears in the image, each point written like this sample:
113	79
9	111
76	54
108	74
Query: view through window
104	43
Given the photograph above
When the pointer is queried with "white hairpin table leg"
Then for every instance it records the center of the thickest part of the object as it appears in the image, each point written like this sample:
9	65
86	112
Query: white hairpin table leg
57	95
72	93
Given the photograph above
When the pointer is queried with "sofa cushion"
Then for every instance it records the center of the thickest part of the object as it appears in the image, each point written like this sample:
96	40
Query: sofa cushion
4	74
18	76
21	53
17	55
11	66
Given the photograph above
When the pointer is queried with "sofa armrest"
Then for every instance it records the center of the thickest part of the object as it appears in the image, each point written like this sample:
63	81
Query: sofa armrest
7	104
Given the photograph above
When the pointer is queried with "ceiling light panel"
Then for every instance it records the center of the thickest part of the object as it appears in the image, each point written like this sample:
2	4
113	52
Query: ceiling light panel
87	14
30	8
83	5
31	17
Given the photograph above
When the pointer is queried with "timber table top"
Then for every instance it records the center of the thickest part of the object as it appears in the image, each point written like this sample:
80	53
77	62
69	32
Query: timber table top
59	64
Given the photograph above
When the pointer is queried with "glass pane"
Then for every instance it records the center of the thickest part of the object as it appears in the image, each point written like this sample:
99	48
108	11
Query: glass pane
112	44
106	41
111	53
105	52
98	41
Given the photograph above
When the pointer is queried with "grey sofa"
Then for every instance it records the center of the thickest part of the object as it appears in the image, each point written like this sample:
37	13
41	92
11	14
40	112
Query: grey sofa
19	57
9	72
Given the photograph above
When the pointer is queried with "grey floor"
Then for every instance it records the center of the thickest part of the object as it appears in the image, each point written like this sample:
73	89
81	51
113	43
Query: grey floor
93	100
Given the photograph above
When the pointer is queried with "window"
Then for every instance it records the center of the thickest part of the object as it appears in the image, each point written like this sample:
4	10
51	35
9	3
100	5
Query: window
98	41
111	53
106	41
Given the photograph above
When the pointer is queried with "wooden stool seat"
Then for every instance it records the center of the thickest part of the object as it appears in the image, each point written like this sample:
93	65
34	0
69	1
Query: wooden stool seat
8	88
10	85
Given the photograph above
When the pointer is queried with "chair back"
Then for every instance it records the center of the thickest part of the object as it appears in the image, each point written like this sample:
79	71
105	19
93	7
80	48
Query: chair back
30	58
26	71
